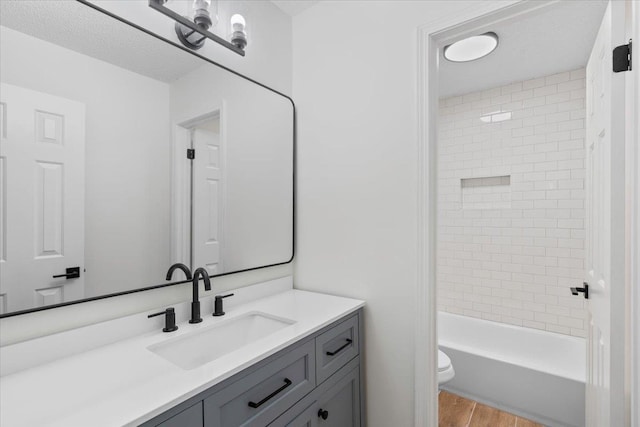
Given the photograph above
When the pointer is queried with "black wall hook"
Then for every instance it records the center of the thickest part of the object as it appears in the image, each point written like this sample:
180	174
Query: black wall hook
585	290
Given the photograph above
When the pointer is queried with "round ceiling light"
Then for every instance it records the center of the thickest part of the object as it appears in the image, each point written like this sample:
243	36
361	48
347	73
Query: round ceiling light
471	48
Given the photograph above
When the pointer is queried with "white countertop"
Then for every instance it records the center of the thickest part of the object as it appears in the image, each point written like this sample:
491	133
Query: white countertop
123	383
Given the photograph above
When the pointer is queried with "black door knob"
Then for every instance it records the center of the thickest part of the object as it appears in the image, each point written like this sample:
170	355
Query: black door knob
70	273
323	414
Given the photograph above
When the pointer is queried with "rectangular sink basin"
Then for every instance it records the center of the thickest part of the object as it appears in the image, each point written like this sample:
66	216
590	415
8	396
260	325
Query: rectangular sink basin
205	345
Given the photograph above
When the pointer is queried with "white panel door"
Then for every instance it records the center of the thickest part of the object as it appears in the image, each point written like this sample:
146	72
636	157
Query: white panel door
41	198
207	209
605	227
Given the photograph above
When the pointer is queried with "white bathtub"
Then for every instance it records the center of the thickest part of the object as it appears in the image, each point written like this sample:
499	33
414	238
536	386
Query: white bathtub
536	374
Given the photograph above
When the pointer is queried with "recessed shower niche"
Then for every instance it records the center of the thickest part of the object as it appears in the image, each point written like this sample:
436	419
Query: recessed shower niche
492	192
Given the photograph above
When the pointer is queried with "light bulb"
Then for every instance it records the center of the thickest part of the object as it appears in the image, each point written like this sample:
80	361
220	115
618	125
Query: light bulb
237	22
239	35
201	4
205	16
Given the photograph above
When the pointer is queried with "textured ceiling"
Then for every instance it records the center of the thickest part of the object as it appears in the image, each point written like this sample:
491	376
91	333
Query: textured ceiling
82	29
294	7
557	38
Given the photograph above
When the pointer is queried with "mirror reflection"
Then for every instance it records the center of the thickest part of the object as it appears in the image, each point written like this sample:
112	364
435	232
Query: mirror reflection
121	154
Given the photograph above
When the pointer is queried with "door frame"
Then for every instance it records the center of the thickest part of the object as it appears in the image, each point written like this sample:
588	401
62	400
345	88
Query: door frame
633	215
431	36
181	178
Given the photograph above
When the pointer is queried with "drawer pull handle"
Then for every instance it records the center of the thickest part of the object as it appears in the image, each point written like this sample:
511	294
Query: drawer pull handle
287	383
333	353
324	414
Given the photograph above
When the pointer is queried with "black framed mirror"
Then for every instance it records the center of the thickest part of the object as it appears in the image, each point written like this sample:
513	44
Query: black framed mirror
122	153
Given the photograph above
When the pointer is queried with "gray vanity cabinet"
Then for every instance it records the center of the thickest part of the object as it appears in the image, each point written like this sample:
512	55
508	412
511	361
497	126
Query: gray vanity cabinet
314	382
308	418
190	417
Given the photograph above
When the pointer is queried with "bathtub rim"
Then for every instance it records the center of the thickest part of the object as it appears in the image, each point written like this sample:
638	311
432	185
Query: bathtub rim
519	362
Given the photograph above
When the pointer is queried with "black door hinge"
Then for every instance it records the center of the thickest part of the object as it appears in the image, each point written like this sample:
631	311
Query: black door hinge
622	58
191	153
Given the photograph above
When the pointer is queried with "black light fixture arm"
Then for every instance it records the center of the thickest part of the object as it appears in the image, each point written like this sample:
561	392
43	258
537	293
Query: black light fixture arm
159	6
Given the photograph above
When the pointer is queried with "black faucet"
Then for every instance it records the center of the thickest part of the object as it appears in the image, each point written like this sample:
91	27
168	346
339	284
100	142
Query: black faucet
195	304
180	266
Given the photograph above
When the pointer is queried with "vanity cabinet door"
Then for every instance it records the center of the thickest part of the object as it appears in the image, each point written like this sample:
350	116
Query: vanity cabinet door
340	405
190	417
307	418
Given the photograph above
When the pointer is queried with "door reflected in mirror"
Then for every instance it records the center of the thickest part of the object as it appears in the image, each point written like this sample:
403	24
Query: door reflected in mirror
121	154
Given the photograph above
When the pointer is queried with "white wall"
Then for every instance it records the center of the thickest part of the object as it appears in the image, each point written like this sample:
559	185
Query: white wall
510	252
355	86
269	63
127	130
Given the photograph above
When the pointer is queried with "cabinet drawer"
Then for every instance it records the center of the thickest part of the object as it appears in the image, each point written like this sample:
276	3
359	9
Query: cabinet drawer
336	347
261	396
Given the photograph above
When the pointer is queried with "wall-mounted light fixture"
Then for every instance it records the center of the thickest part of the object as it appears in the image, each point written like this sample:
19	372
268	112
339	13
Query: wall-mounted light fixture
193	34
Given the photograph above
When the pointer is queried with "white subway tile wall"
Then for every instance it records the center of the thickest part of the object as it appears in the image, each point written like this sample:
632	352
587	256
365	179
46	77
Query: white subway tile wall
511	203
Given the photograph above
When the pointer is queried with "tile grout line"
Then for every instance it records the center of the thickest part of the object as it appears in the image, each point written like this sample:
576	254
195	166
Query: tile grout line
471	415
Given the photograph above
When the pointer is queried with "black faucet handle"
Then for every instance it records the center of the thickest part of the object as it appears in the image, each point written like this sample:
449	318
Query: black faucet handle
218	311
169	320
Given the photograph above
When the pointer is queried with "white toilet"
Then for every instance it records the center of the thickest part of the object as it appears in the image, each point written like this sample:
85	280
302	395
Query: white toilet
445	368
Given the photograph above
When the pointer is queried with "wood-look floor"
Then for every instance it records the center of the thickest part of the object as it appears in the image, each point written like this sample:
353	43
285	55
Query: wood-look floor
456	411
